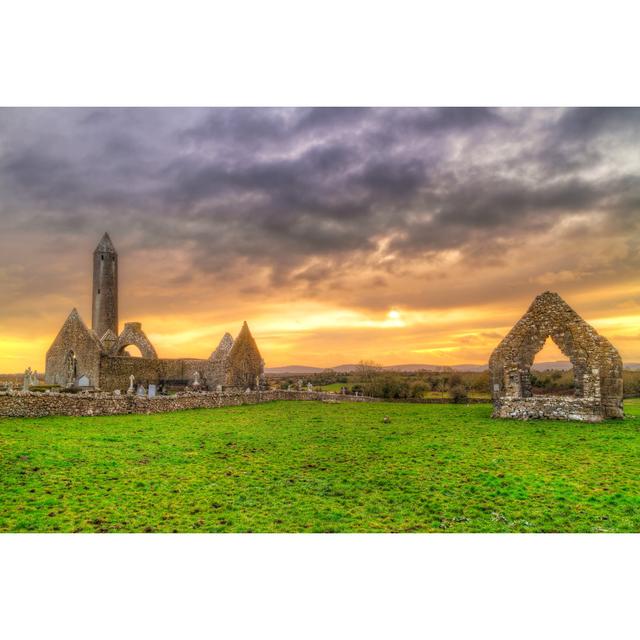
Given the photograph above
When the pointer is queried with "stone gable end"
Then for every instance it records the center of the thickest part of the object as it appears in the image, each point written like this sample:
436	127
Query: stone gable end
597	366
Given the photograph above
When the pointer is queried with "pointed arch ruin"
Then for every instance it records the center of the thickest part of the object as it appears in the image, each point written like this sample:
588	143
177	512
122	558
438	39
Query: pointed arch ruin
132	334
597	366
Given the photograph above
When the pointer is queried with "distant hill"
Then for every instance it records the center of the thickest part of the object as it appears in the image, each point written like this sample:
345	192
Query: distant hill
557	365
350	368
294	368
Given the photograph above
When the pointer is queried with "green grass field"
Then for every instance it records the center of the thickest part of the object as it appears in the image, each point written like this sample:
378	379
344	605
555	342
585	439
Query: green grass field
334	386
311	466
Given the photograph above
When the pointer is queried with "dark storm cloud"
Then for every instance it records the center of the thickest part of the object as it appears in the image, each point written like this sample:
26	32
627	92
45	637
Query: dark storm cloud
278	187
584	124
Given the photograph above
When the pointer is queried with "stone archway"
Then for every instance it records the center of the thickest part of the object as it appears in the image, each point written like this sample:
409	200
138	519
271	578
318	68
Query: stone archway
597	366
133	335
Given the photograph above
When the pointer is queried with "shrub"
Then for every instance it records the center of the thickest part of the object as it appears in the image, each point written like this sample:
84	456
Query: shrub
417	389
458	393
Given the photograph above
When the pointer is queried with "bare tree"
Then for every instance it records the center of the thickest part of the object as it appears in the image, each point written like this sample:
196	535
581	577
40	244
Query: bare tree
367	370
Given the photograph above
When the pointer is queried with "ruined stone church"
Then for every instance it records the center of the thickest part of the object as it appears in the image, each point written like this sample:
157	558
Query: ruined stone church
98	357
597	366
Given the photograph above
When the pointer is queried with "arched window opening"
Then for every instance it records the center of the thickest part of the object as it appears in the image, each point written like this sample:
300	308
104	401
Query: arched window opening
552	372
131	351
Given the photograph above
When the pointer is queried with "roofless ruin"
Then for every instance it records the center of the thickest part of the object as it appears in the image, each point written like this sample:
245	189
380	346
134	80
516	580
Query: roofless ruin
98	357
597	366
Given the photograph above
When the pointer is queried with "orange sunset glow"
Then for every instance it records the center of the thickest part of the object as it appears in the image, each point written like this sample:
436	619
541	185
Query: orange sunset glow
401	236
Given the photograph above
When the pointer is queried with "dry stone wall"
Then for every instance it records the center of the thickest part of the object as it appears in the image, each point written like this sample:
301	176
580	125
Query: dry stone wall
36	405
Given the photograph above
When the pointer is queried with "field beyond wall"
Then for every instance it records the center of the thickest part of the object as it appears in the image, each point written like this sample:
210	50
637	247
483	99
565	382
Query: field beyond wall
310	466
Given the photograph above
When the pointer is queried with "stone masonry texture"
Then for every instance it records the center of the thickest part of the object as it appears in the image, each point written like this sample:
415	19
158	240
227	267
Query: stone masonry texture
597	366
37	405
100	355
105	288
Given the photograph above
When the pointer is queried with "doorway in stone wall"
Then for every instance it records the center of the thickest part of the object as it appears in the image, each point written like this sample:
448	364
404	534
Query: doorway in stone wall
552	372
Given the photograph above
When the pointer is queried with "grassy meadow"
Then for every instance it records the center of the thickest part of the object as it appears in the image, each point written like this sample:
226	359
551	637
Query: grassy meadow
320	467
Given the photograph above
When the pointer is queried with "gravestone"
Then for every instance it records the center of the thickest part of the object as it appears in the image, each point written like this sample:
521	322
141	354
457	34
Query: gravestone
83	381
151	393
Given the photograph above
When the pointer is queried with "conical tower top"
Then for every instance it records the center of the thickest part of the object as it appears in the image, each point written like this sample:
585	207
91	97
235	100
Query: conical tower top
105	245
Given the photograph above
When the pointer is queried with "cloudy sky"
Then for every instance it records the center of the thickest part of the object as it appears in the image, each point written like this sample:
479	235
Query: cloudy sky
398	235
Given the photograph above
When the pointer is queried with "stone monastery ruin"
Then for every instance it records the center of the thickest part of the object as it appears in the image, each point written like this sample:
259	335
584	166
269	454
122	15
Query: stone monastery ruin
597	366
98	357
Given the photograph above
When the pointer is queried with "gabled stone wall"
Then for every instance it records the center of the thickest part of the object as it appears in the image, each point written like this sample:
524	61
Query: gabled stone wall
597	366
75	352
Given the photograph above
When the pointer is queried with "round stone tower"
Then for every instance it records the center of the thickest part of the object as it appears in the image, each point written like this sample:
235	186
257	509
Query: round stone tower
105	288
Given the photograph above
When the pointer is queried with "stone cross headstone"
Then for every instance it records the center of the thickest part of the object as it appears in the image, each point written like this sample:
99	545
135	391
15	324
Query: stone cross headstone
26	382
131	381
151	392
